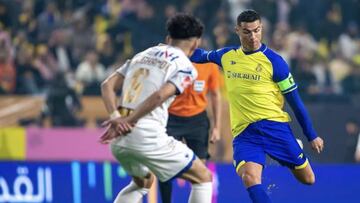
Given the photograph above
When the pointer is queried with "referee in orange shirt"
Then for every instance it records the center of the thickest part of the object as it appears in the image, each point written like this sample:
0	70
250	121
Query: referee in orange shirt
188	120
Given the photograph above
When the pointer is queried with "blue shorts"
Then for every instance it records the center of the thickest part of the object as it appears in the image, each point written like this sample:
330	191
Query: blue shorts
268	137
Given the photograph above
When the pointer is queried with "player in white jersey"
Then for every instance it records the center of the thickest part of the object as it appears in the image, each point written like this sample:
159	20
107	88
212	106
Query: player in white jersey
137	130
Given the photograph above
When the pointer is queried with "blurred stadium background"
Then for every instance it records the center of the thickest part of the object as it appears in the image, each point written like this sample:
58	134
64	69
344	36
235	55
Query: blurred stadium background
54	54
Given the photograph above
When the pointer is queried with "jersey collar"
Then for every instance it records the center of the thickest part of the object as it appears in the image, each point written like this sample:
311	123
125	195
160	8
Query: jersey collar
262	49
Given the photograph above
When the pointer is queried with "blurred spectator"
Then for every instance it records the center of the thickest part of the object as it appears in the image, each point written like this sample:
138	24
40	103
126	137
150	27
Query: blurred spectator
339	69
300	45
90	73
82	37
28	77
306	78
7	70
105	48
64	31
278	43
351	83
48	21
323	76
349	42
332	22
352	141
45	62
62	103
60	49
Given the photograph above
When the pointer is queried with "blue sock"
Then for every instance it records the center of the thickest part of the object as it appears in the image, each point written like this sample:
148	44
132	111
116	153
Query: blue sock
258	194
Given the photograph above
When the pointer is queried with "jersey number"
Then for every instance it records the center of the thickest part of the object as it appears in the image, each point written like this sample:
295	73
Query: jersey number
136	85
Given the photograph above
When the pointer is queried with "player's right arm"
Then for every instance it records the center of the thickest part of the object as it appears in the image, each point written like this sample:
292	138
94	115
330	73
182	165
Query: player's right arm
175	85
109	87
214	56
154	100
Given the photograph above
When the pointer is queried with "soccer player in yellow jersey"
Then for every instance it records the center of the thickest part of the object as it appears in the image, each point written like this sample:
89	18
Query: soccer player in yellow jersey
257	80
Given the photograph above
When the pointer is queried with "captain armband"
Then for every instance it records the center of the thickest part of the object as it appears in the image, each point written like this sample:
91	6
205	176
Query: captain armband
287	85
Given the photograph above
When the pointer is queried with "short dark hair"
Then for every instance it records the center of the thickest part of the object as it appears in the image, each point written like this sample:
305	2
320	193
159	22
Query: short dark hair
184	26
248	16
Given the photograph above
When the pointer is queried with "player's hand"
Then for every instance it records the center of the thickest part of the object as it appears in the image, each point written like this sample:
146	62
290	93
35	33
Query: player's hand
215	135
317	144
121	125
108	135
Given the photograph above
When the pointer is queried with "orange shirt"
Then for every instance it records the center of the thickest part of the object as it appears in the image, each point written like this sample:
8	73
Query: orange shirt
7	77
193	100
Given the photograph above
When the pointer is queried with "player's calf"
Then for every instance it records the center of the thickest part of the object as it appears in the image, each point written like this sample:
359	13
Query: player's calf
305	175
201	179
135	190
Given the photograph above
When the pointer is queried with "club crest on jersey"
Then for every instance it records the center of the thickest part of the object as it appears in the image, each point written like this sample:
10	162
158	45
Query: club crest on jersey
258	68
186	82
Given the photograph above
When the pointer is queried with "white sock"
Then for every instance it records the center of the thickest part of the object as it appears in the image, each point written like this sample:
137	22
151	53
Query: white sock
131	194
201	193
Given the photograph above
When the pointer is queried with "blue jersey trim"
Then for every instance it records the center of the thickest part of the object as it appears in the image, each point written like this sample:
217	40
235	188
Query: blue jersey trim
262	49
186	168
186	72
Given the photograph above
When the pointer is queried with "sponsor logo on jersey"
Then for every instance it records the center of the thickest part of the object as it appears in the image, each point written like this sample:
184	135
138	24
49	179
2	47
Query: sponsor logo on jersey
245	76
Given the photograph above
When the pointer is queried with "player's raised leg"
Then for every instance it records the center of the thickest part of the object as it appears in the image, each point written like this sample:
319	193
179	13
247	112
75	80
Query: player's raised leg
201	179
250	173
305	175
135	190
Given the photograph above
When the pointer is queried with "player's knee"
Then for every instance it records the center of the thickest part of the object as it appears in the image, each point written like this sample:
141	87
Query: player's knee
145	182
207	177
309	179
250	179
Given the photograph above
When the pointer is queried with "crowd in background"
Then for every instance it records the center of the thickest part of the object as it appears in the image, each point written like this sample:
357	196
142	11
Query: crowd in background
83	41
63	49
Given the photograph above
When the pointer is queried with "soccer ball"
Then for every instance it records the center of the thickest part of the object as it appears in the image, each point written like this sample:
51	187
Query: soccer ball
300	143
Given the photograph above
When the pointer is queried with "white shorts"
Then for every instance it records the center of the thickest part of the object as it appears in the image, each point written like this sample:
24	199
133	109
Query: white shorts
165	162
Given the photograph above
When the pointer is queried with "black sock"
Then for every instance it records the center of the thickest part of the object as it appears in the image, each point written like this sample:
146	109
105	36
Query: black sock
165	191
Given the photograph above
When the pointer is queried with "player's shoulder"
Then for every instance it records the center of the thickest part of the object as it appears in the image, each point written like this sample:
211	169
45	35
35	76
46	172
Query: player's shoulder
274	57
271	54
227	49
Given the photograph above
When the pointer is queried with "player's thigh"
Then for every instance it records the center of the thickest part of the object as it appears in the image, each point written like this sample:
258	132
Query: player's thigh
248	147
281	145
305	175
129	162
198	173
168	161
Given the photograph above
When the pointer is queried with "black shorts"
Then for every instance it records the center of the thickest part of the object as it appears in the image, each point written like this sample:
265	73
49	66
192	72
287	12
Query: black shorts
194	130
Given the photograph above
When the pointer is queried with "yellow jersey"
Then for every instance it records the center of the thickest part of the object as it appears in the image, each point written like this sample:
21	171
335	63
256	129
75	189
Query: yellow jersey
255	82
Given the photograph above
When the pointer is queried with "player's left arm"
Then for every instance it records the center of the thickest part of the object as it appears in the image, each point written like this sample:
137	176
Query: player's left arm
215	98
288	87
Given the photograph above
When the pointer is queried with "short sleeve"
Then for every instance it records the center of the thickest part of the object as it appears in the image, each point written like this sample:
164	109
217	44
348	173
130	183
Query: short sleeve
183	78
124	68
